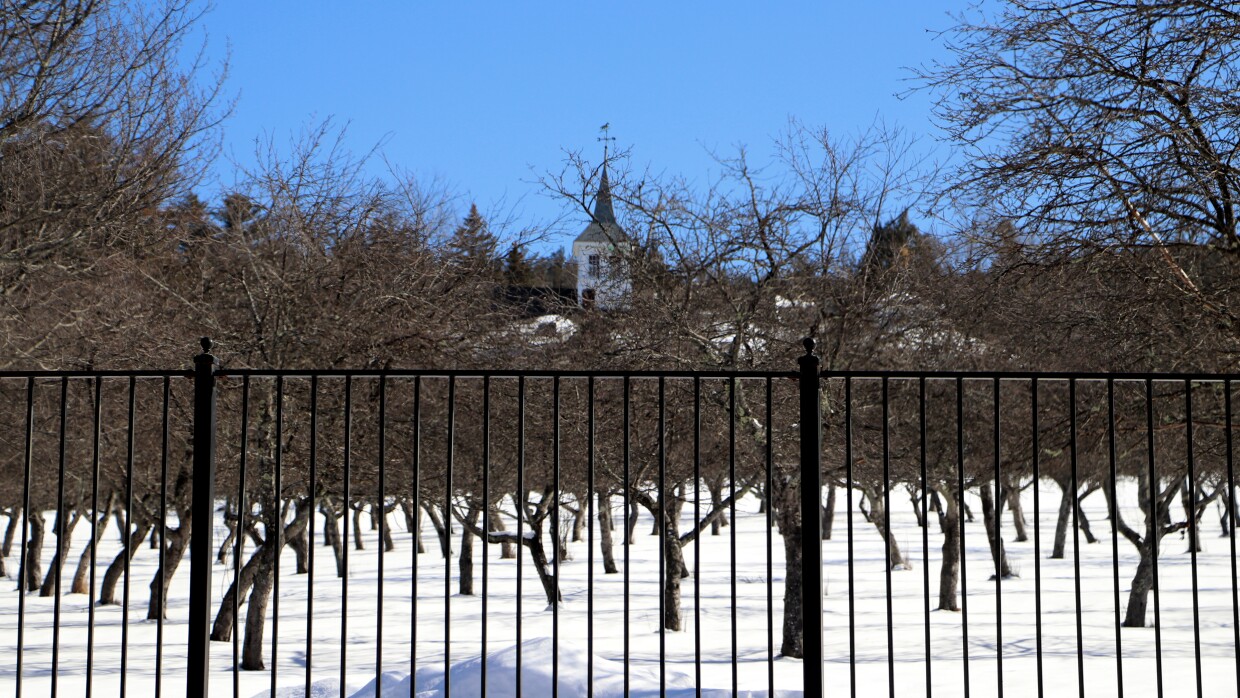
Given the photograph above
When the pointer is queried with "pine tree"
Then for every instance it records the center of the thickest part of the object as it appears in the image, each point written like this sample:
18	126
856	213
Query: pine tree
472	243
889	242
518	271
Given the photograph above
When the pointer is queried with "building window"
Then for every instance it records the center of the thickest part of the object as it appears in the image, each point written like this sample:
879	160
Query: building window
595	266
587	298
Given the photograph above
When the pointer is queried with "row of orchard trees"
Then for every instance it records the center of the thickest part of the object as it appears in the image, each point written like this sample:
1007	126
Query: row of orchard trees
1094	236
314	266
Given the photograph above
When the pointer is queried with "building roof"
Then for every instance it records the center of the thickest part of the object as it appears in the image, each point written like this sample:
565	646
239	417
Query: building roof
603	226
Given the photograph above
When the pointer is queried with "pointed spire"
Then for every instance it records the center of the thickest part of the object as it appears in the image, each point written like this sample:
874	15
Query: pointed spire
603	212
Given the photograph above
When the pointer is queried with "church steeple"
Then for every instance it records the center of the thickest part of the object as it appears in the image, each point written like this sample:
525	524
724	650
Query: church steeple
601	248
603	212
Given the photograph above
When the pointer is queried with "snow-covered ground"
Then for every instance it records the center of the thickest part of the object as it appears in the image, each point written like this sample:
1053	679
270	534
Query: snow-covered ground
1060	669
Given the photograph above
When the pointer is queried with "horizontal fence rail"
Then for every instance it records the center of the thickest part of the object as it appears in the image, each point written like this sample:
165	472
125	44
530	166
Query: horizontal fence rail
585	533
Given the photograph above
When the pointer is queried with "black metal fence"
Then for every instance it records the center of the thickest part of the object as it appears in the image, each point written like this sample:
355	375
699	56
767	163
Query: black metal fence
698	586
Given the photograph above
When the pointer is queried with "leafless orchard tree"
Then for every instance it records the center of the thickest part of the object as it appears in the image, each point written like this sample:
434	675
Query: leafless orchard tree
1097	163
733	276
96	98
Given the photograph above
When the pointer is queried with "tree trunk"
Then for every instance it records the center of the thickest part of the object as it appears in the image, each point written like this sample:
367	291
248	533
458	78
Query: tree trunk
674	569
63	538
34	551
877	518
1012	495
441	530
300	543
81	577
580	518
949	572
232	519
261	560
107	590
631	522
998	554
1083	521
716	496
828	515
10	532
507	551
158	605
466	560
357	529
385	527
916	502
331	533
1061	525
605	525
1142	583
256	610
538	555
936	505
221	629
793	643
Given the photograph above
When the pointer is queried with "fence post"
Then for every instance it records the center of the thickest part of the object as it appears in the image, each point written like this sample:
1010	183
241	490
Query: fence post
811	520
203	508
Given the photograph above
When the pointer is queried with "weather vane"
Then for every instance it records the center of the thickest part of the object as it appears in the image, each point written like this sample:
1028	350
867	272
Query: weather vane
605	138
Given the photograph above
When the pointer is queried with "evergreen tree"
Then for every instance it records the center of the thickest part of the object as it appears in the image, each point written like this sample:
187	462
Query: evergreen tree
889	242
517	268
472	243
556	270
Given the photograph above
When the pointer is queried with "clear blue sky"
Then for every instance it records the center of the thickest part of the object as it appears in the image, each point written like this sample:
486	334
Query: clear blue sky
485	96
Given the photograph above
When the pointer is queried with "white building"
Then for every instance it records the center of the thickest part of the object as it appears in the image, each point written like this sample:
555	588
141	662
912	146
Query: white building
601	252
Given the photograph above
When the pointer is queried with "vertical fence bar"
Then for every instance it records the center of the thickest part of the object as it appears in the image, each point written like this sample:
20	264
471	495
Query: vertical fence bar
1231	528
520	506
555	536
202	544
732	519
277	518
770	571
1193	540
811	520
61	548
447	534
1114	512
381	503
1154	532
1076	536
960	492
848	520
662	527
591	495
94	536
697	540
25	553
627	400
486	515
891	638
313	493
242	510
998	544
163	549
417	535
346	464
129	534
448	541
1037	537
925	524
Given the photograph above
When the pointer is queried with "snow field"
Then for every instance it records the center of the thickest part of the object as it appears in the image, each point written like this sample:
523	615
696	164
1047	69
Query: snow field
871	666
